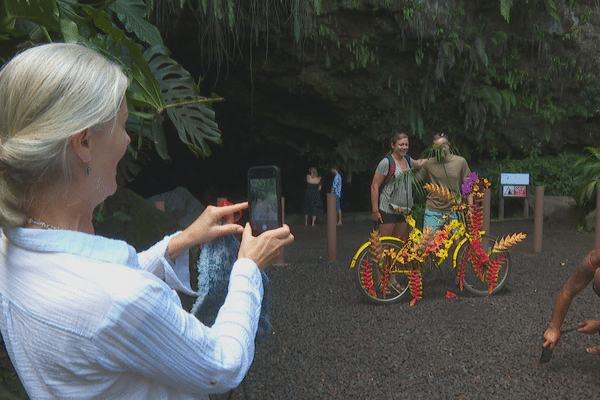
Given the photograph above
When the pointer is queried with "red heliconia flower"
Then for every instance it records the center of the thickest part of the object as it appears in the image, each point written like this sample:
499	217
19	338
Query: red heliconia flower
450	295
475	220
366	273
461	270
440	191
385	277
416	286
492	274
477	256
508	241
375	248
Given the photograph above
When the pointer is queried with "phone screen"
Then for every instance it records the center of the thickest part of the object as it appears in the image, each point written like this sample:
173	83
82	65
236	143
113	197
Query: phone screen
264	196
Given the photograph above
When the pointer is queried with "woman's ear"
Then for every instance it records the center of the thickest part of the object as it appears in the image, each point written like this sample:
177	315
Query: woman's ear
81	145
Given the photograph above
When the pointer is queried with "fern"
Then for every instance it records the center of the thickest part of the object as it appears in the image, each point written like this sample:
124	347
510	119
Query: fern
589	177
509	100
505	6
481	54
551	8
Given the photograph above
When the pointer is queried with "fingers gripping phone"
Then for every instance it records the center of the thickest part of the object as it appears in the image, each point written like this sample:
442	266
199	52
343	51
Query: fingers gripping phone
264	196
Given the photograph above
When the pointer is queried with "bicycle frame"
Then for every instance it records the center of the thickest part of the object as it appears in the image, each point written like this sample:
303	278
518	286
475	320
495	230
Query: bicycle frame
367	244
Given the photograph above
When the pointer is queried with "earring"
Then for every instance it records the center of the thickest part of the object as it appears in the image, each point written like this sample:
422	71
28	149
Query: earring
88	170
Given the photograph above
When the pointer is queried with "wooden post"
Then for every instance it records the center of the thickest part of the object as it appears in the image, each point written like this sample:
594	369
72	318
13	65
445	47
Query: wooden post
501	205
331	228
281	252
597	217
487	201
538	219
526	205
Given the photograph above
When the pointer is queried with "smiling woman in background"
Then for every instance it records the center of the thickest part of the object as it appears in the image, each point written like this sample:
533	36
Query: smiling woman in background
84	316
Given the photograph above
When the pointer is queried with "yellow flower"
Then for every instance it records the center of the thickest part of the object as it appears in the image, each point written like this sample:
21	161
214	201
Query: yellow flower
442	255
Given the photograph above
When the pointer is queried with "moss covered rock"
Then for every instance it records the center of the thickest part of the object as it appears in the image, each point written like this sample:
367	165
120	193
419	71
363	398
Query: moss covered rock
129	217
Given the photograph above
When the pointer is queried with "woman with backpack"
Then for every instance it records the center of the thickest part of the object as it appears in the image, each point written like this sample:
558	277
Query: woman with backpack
391	188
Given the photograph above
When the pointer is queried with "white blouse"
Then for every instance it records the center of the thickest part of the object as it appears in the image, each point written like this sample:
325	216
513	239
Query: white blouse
86	317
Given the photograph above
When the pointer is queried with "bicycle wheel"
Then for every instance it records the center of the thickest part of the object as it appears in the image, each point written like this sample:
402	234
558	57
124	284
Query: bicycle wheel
368	275
474	282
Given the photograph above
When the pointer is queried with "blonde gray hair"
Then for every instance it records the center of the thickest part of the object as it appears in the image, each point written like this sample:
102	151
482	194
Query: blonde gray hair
48	94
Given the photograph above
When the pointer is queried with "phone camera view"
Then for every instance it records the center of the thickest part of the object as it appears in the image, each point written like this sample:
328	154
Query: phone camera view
263	195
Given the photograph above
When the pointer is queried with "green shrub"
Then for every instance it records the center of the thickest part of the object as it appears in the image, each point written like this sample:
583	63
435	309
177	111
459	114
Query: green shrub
557	174
588	177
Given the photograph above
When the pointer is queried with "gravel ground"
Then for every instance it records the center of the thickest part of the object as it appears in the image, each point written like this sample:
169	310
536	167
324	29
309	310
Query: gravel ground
328	343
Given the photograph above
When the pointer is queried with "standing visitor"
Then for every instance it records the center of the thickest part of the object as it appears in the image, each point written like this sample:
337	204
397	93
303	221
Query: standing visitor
391	189
84	316
336	188
447	170
313	203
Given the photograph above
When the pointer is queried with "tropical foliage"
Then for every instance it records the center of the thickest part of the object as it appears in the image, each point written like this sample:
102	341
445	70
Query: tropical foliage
120	31
588	180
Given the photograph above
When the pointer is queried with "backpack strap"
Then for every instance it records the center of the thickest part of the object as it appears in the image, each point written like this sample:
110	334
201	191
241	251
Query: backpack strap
391	171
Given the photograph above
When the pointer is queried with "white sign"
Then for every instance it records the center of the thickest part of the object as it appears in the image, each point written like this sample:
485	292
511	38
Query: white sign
514	179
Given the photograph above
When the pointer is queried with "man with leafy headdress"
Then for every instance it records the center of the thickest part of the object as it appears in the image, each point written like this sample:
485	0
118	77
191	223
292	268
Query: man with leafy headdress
446	170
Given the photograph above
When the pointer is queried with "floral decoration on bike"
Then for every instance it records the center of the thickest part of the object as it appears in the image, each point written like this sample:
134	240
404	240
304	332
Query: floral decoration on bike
410	258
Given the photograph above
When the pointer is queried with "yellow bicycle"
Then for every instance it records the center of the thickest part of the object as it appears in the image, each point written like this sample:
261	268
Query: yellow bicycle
467	256
388	269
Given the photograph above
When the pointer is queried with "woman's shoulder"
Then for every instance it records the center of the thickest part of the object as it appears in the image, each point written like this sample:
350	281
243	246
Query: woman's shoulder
385	161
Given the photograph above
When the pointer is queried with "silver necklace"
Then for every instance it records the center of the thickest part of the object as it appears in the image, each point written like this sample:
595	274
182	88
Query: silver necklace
42	224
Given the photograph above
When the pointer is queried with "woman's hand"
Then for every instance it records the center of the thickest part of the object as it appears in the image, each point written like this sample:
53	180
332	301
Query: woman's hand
211	224
590	326
263	249
376	216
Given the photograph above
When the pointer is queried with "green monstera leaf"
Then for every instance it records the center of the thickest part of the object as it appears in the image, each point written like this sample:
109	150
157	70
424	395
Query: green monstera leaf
42	12
194	121
132	14
119	30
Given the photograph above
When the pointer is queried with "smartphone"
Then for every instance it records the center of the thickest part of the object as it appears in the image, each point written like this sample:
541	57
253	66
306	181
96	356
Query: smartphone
264	196
574	328
546	355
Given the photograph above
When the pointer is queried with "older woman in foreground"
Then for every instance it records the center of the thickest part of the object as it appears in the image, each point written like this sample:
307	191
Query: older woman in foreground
84	316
